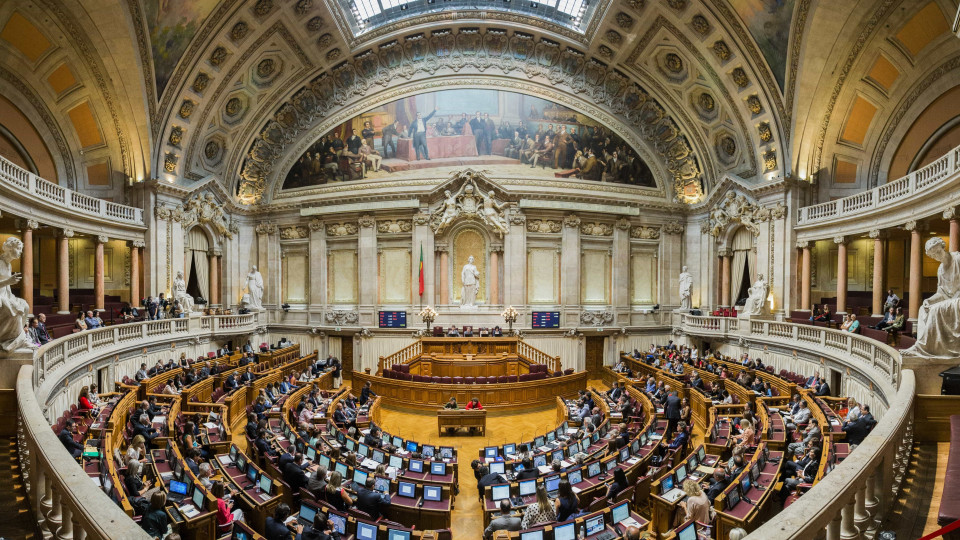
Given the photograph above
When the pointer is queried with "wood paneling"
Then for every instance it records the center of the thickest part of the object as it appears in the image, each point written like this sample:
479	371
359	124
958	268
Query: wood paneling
932	417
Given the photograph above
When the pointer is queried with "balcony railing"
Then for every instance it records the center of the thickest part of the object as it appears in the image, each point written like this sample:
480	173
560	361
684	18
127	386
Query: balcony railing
922	180
861	489
70	201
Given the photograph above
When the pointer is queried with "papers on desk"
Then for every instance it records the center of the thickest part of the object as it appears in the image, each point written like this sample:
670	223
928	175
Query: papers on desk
189	510
565	464
275	409
659	410
674	494
572	431
368	463
834	422
633	460
773	410
96	480
616	415
224	459
510	457
392	473
159	419
544	469
706	470
656	437
365	431
575	489
630	522
165	476
544	448
210	425
95	425
290	519
264	496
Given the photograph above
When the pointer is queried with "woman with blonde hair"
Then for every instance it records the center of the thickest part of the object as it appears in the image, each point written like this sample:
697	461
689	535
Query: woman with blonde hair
696	505
539	512
746	432
335	494
137	449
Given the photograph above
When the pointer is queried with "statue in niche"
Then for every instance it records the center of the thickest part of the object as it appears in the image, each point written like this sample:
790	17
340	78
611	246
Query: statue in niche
938	322
255	289
13	310
181	295
470	280
449	211
686	289
756	298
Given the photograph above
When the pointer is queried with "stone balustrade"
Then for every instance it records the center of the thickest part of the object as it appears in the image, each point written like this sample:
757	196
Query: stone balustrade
68	505
71	204
851	503
922	192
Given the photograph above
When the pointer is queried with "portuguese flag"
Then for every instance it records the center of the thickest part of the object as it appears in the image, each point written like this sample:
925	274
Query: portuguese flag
421	269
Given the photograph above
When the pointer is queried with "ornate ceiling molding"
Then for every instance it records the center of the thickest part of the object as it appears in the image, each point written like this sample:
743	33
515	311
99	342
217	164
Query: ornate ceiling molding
539	68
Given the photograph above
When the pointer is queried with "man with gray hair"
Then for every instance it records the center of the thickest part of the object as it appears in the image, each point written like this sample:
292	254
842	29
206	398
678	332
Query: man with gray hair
506	521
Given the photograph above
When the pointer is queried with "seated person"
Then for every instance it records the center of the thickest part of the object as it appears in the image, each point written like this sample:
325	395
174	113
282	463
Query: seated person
66	437
453	332
467	331
823	316
473	404
854	325
452	404
497	332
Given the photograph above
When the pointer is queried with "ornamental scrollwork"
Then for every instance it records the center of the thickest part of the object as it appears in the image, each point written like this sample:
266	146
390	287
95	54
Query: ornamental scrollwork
673	227
394	226
204	209
596	318
596	229
471	203
340	317
293	233
267	228
544	226
733	209
342	229
645	233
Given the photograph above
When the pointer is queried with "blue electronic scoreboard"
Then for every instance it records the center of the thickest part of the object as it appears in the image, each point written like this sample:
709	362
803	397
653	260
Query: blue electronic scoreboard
546	319
393	319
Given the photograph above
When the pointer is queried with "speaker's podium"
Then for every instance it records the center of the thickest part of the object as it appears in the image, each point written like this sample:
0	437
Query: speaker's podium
455	419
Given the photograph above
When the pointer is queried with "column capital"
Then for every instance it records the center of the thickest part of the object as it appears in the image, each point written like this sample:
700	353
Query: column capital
725	252
571	220
803	244
366	221
914	225
877	234
440	247
316	224
496	248
421	218
102	239
267	228
951	213
839	239
518	218
139	244
214	252
673	227
66	233
623	224
31	224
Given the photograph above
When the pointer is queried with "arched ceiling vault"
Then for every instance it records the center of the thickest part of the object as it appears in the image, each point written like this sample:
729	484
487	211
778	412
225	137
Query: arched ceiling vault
708	106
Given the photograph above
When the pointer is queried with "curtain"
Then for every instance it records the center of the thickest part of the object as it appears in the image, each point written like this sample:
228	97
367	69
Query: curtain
736	271
572	351
188	262
752	266
202	264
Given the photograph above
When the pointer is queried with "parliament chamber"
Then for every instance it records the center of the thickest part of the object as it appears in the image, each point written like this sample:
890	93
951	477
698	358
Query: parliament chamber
456	270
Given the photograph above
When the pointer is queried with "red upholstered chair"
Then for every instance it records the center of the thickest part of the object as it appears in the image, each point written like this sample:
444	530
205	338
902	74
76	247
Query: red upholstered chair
568	371
458	380
446	380
501	379
435	379
492	379
437	331
469	380
557	373
513	378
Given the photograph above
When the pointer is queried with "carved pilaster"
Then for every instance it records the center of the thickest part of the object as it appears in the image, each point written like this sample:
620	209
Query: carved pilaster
572	220
839	239
102	239
877	233
803	244
139	244
316	224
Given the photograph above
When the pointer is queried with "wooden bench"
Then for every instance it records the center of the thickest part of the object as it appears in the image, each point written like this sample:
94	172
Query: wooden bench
461	418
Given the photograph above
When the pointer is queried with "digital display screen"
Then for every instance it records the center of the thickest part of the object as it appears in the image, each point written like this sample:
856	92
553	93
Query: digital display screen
431	493
620	512
438	468
500	492
528	487
405	489
307	513
366	531
393	319
545	319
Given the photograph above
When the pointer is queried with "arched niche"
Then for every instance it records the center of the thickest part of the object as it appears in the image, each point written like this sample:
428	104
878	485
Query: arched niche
465	239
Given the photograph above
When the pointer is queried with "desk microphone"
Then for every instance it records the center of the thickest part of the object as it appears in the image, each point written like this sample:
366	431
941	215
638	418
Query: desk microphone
744	497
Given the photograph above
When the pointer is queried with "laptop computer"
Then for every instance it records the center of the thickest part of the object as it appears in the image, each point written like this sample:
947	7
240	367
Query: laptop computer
178	490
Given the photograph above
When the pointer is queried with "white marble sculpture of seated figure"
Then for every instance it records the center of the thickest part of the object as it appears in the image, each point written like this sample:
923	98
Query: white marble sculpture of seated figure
13	310
938	323
757	297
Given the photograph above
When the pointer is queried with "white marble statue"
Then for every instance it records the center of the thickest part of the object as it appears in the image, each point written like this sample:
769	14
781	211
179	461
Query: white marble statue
181	295
255	289
757	298
470	278
13	310
686	289
493	214
938	323
449	210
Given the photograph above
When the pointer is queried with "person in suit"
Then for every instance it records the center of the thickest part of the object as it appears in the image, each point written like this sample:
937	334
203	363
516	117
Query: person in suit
506	521
366	393
696	381
671	409
142	426
66	437
681	438
801	471
418	131
247	376
487	478
591	168
390	135
41	329
529	470
372	438
497	332
248	348
263	445
339	416
856	429
293	474
478	129
229	383
276	529
454	332
716	484
823	389
370	500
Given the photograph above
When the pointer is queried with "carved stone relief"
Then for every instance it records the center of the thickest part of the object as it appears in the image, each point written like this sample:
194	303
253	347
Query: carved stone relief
645	233
341	229
395	226
341	317
544	226
596	318
293	233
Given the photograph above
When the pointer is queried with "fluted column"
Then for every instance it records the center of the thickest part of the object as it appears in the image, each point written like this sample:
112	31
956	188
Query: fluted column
726	257
444	275
98	272
804	275
841	274
63	272
26	264
135	248
878	257
848	529
916	267
953	216
495	274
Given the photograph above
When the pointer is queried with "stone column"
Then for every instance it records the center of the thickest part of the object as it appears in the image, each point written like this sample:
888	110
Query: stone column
878	258
318	270
620	271
444	275
916	267
98	272
63	272
495	251
214	257
570	262
135	248
268	263
726	258
805	276
26	264
423	242
953	216
367	256
515	262
841	243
